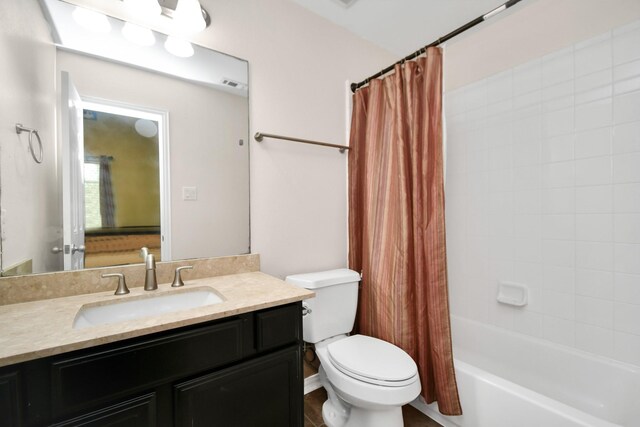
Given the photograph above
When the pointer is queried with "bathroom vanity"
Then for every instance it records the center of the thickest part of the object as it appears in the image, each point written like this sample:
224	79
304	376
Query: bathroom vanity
239	371
234	363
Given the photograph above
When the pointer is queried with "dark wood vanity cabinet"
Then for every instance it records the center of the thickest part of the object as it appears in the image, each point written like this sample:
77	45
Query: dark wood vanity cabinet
243	370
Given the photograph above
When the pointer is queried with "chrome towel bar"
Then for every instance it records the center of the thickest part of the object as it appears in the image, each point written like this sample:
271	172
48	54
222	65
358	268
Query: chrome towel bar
259	136
20	129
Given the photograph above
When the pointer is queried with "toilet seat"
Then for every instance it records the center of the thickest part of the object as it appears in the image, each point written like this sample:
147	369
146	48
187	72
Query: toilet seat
372	361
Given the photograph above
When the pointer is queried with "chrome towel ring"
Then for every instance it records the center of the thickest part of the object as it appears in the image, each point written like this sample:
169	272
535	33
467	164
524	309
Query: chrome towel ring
20	129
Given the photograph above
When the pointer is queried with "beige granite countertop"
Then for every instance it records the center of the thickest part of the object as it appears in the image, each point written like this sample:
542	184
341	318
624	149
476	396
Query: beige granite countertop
36	329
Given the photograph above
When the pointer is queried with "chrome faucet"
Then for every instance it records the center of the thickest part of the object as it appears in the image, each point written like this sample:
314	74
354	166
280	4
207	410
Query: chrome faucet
150	280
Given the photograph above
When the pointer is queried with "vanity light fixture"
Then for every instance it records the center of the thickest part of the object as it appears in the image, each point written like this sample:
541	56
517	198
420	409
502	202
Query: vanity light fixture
188	17
143	7
178	47
138	35
91	20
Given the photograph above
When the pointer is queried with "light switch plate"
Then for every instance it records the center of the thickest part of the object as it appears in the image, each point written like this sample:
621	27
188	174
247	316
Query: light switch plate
189	193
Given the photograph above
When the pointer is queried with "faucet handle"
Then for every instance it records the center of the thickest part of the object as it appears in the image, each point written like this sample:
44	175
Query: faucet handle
122	283
144	251
177	280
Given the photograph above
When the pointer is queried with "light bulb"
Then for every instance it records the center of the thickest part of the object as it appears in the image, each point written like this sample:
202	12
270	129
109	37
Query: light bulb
91	20
138	35
143	8
188	17
178	47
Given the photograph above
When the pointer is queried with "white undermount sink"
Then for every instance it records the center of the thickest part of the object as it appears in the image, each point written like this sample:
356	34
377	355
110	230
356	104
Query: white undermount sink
135	308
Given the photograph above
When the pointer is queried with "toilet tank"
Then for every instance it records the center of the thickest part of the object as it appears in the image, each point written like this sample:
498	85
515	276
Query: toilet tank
333	310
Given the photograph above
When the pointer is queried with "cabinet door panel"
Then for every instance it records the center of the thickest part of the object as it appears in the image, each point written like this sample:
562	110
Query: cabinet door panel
90	380
262	392
9	400
138	412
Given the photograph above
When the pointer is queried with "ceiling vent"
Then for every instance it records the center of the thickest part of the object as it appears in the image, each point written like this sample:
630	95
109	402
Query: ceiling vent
345	3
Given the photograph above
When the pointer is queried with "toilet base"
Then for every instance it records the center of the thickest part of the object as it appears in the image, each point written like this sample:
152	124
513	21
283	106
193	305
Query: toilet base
360	417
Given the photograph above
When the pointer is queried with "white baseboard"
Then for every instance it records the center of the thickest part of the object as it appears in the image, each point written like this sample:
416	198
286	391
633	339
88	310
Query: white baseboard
312	383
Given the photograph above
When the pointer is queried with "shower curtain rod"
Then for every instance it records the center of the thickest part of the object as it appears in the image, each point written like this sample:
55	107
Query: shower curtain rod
452	34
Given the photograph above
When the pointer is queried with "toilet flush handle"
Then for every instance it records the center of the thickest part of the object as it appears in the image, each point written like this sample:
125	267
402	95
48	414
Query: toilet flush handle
305	310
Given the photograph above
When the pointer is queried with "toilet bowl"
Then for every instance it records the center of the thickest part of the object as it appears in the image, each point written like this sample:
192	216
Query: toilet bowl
367	379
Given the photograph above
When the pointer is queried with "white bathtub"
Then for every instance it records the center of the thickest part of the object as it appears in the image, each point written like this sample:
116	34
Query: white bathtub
510	380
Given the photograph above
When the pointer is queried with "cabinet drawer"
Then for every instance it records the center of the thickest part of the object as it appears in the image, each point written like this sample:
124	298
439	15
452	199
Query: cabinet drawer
85	381
138	412
278	326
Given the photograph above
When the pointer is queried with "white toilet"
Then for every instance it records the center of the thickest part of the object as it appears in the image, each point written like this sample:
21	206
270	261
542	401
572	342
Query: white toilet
367	379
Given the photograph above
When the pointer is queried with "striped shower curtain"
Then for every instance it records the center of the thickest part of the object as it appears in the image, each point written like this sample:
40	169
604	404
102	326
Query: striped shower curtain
396	220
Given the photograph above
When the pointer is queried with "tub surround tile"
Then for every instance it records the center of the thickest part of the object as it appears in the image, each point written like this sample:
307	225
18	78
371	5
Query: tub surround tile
568	156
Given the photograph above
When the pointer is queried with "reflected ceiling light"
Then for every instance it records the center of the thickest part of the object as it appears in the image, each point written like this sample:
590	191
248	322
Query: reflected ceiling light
188	17
178	47
91	20
146	128
143	7
138	35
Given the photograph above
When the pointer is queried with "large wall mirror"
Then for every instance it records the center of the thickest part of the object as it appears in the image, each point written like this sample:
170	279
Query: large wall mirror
151	149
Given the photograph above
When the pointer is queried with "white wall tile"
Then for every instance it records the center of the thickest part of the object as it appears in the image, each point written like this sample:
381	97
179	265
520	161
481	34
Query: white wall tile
557	122
595	339
528	323
626	46
593	171
528	250
527	178
593	115
544	171
561	331
627	77
528	273
596	255
626	107
499	87
593	81
594	227
626	138
627	288
558	201
560	227
594	311
560	174
593	57
558	148
595	199
593	143
560	253
557	67
527	77
627	258
627	318
626	228
526	154
558	304
594	283
626	198
559	279
626	168
627	347
527	201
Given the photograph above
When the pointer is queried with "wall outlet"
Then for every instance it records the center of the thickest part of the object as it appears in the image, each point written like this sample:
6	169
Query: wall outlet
189	193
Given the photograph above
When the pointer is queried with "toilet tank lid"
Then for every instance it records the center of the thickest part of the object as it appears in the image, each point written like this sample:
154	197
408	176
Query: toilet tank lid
322	279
